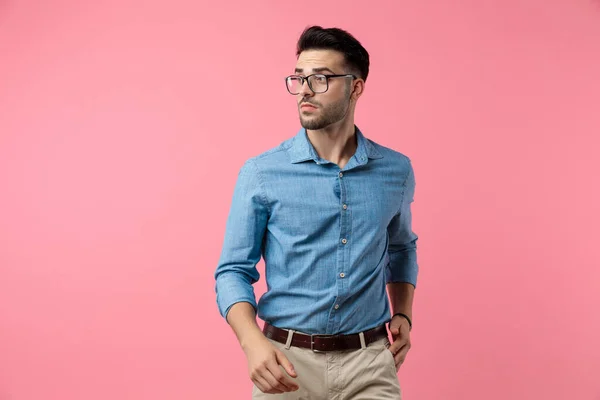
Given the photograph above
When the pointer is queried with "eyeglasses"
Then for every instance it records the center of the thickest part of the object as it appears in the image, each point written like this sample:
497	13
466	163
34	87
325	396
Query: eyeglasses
318	83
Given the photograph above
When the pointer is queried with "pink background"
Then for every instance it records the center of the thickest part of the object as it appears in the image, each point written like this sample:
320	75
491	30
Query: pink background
123	125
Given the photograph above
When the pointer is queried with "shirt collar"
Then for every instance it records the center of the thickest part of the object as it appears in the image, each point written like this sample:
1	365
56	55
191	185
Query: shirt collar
303	150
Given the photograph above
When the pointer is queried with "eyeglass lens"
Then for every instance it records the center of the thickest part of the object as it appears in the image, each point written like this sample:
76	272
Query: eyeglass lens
317	83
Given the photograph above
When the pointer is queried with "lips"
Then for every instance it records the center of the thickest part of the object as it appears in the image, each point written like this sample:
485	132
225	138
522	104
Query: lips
308	106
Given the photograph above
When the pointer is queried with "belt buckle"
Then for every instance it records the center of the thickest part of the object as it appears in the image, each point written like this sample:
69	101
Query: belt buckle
312	343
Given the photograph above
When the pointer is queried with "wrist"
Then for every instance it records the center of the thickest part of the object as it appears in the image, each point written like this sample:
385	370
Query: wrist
250	338
406	317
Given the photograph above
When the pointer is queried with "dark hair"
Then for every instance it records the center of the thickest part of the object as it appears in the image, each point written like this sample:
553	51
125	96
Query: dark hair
318	38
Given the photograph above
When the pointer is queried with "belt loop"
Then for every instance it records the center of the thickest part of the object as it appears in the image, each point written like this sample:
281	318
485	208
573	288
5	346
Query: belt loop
361	335
288	343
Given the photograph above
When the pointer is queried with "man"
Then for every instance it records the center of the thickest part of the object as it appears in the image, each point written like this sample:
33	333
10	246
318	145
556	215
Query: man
330	212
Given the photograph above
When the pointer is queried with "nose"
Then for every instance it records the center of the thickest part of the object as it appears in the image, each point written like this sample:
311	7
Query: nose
305	90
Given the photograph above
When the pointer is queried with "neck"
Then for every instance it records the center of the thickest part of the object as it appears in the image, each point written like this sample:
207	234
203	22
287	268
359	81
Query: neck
336	143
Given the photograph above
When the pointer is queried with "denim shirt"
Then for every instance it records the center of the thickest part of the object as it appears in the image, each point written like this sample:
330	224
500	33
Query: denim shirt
331	238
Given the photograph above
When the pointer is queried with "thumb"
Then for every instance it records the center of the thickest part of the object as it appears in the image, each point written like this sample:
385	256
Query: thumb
286	364
394	329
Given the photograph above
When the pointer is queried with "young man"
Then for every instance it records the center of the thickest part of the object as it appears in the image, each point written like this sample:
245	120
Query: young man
330	212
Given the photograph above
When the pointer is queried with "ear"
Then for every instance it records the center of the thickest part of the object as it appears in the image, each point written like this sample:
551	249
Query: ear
358	89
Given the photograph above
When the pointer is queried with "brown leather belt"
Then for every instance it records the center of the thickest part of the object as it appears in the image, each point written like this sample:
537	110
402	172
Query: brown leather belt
320	343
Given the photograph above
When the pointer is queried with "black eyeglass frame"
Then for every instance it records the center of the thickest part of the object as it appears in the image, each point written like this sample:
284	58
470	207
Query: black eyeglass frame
306	78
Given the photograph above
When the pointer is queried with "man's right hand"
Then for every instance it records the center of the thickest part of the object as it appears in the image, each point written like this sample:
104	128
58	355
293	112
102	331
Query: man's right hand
264	362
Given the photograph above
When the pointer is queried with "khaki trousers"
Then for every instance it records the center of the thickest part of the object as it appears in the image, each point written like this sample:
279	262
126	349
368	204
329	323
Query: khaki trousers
364	374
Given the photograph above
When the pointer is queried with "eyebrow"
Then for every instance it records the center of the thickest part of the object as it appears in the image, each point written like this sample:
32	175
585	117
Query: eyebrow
320	69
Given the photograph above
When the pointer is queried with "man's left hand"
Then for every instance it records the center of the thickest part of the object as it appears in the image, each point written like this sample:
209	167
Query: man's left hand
400	330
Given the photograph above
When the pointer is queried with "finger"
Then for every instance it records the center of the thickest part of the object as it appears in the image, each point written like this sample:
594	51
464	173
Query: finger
283	382
264	386
400	356
286	364
399	359
258	384
397	345
275	385
269	376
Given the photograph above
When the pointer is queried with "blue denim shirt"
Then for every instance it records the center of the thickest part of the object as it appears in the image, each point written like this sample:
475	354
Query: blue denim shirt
331	238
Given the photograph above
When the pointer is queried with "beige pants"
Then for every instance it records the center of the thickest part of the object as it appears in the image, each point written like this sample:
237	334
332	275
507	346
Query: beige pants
364	374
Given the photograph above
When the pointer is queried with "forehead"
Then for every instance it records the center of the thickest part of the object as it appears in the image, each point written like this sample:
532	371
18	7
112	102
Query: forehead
316	59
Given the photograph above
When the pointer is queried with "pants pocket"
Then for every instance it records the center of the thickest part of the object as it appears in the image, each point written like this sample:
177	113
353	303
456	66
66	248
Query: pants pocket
389	358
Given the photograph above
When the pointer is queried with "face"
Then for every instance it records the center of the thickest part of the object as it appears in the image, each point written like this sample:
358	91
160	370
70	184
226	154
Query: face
319	110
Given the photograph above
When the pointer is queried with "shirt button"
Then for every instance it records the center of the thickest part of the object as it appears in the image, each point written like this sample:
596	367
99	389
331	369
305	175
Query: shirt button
344	241
342	275
345	207
337	306
341	174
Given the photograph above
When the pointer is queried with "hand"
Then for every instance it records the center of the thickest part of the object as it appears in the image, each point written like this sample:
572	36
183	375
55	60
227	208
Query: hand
400	330
264	362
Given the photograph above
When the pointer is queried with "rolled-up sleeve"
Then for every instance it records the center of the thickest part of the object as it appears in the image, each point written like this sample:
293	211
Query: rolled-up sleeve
402	246
242	246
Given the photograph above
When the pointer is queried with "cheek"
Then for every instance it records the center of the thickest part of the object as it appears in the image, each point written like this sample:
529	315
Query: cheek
329	99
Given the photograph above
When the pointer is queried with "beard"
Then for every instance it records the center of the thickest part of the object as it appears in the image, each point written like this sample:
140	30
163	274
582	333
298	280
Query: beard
329	115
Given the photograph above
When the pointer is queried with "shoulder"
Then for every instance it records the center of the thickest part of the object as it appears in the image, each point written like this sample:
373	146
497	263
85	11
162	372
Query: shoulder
271	157
393	157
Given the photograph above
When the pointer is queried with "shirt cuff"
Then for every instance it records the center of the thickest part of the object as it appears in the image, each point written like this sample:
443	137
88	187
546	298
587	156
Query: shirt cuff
403	267
233	289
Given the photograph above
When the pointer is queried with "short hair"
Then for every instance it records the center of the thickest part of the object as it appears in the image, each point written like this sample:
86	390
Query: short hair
319	38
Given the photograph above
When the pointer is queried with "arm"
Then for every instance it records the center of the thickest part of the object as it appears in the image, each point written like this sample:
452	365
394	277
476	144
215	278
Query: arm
401	297
242	319
236	273
402	269
242	247
402	247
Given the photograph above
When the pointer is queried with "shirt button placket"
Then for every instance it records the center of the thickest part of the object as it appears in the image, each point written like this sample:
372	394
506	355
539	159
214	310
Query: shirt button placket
342	258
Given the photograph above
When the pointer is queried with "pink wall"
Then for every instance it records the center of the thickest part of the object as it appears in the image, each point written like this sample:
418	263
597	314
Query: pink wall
123	125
